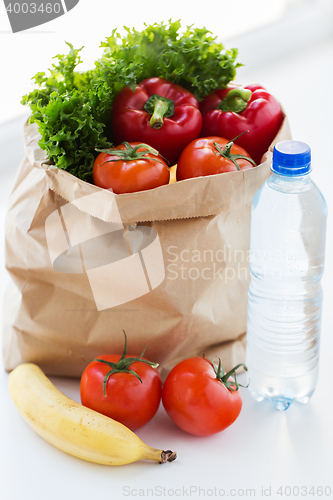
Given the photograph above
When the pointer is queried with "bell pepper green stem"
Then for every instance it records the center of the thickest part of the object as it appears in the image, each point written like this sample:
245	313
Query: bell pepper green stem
156	120
159	107
236	100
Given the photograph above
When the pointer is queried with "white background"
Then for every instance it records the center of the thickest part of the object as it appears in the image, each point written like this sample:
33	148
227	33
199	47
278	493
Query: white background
292	58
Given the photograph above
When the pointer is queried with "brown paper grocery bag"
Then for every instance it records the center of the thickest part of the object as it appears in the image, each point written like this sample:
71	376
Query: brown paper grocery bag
169	266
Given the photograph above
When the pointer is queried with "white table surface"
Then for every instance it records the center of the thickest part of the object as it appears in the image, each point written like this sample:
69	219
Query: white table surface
264	449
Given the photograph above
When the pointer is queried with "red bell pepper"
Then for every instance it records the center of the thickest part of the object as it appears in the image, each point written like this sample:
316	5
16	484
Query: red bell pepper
231	111
159	113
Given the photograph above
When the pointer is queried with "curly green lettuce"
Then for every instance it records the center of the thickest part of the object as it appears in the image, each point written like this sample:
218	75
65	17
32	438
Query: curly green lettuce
72	109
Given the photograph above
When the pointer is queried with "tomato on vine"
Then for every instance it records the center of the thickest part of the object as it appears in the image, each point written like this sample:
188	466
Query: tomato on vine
211	156
200	397
124	387
130	167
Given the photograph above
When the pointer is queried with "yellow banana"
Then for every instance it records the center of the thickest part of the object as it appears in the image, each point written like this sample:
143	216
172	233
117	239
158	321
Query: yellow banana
73	428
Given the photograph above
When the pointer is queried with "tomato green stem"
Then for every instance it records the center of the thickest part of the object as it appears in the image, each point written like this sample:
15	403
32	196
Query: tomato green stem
225	151
122	366
236	100
131	154
232	385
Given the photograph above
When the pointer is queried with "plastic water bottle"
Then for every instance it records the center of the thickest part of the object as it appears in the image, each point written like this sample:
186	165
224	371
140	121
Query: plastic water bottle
288	228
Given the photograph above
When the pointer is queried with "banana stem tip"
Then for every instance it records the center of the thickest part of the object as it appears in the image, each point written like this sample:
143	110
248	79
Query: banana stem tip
168	456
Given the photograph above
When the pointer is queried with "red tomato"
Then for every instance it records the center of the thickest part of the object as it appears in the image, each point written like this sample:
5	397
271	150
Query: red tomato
127	400
132	172
202	157
197	400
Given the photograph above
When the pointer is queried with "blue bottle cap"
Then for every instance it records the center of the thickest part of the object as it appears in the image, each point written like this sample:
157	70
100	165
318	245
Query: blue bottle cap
291	158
